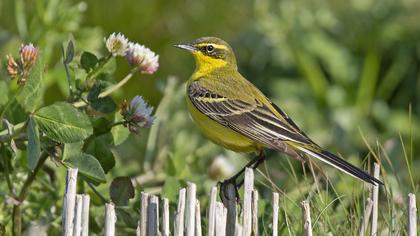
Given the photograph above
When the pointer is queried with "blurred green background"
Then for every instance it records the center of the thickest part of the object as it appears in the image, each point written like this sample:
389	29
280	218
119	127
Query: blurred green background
346	71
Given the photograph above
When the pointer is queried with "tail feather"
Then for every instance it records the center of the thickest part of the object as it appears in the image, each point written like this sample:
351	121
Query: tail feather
341	164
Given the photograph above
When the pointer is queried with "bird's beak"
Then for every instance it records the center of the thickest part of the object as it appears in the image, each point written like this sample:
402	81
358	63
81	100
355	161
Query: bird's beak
187	46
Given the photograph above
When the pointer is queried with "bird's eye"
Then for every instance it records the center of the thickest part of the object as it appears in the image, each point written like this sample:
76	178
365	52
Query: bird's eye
210	48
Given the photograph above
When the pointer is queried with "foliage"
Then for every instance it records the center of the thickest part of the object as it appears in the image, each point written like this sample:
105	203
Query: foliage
347	72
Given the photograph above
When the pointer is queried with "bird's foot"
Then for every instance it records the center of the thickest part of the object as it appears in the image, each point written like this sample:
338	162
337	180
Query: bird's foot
229	191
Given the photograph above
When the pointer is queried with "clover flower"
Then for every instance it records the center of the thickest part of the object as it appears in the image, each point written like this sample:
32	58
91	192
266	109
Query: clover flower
137	114
142	57
21	68
117	44
28	55
13	67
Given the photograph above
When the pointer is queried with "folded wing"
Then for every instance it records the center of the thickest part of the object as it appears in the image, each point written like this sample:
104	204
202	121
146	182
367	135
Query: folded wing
259	123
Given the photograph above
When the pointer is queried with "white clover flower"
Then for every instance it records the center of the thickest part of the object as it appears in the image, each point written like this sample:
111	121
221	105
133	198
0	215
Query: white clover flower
137	114
143	57
117	44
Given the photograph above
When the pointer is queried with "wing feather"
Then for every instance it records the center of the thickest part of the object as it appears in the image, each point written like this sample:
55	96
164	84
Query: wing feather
255	121
259	123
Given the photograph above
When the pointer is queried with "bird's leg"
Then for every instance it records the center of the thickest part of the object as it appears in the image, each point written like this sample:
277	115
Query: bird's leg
224	194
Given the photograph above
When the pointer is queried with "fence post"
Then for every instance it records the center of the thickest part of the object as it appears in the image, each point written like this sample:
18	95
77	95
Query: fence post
179	216
364	221
212	212
110	219
69	202
221	214
153	215
231	210
85	214
77	224
255	212
307	225
190	209
375	193
412	215
247	214
143	213
275	214
165	217
197	219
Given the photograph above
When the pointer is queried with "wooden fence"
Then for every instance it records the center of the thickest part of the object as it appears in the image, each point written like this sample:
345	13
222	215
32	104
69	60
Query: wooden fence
221	220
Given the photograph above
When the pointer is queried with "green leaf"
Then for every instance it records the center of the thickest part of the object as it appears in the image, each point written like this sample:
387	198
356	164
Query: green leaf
129	219
88	166
109	67
104	105
121	190
4	90
30	95
71	149
34	145
100	147
119	132
171	188
63	123
88	61
69	52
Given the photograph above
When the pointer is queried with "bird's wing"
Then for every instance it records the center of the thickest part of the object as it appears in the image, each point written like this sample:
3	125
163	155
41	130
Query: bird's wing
258	122
255	121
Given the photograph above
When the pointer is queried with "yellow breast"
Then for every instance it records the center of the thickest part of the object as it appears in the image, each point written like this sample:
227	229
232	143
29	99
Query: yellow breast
220	134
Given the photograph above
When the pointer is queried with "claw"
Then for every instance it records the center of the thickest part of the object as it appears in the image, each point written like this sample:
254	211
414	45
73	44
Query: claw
229	191
229	188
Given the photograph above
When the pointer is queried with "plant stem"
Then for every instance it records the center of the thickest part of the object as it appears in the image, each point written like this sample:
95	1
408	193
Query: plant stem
6	137
101	65
6	172
111	89
16	214
7	106
103	199
66	67
120	84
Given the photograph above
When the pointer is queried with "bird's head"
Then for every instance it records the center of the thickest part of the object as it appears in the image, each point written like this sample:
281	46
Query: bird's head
210	52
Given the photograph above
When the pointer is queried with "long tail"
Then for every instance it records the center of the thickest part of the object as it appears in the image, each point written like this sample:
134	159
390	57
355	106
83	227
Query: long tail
340	164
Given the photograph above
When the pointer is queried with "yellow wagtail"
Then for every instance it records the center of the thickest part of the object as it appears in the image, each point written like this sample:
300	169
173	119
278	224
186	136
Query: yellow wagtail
235	114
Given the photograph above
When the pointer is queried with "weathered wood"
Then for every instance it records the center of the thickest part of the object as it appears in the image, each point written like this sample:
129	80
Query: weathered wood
231	210
77	224
364	221
198	230
144	199
255	213
165	217
275	204
212	212
247	211
412	215
375	193
179	215
110	219
238	229
221	214
85	214
190	209
307	225
153	215
69	202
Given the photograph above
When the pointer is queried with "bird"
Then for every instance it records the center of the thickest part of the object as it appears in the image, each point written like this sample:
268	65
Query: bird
236	115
